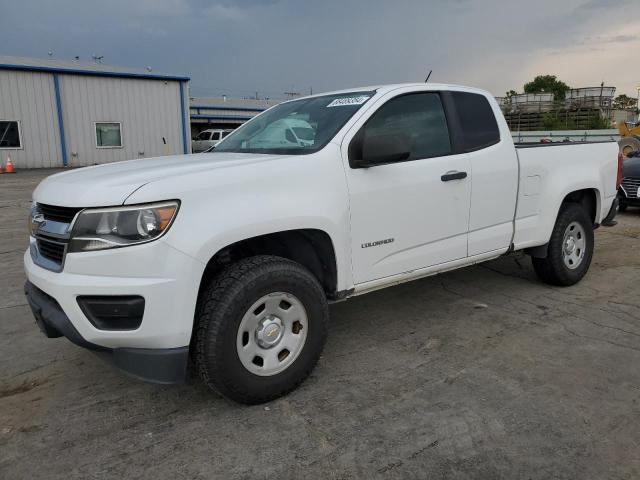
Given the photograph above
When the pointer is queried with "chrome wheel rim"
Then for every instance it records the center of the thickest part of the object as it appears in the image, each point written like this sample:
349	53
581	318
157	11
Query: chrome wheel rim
573	245
272	334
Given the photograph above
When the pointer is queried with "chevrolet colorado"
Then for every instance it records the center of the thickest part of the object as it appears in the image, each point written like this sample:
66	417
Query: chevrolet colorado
227	260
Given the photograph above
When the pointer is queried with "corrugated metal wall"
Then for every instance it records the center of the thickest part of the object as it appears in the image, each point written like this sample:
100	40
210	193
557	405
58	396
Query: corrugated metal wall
29	98
147	110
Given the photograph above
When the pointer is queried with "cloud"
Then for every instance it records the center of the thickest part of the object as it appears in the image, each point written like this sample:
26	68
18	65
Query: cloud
239	47
602	4
603	39
241	4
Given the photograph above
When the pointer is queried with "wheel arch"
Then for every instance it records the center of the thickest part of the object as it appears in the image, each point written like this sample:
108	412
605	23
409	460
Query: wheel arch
312	248
588	198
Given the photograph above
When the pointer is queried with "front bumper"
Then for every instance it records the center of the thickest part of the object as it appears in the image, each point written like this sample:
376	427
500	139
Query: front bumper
629	201
166	278
166	365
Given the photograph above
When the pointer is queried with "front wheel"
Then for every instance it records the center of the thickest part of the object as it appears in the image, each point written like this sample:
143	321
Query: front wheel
570	248
261	327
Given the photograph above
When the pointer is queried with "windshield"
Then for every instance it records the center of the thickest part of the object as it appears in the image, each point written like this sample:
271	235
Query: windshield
297	127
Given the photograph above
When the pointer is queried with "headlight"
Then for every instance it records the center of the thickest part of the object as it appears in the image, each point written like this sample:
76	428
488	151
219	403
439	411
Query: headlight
101	228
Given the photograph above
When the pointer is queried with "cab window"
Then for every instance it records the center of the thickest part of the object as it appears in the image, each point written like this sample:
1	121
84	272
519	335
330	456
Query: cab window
478	124
417	118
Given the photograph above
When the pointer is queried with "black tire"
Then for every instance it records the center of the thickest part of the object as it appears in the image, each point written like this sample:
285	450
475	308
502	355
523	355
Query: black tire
622	207
552	269
221	307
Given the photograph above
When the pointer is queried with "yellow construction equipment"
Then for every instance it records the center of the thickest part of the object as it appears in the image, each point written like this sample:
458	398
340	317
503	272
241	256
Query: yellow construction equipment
629	137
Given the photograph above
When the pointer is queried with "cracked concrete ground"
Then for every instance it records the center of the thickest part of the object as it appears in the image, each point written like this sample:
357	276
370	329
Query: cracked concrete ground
479	373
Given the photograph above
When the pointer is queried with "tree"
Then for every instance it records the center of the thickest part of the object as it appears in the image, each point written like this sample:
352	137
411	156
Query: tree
547	84
510	93
624	102
597	122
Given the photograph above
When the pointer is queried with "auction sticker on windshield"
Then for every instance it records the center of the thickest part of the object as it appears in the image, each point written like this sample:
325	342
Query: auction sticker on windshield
341	102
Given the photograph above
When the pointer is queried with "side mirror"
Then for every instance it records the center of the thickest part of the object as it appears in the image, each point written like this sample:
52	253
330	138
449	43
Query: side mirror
380	149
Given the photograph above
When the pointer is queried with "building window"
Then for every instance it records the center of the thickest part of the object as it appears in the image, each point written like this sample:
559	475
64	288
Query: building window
10	134
108	135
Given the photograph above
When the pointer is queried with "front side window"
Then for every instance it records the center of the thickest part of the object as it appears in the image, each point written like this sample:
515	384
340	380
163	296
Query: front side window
296	127
203	136
477	121
108	135
10	134
417	117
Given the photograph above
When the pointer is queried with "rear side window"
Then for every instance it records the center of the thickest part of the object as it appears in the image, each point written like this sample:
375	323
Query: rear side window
477	121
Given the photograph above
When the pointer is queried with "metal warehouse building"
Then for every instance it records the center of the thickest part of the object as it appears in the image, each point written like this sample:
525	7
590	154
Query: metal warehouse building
55	113
223	112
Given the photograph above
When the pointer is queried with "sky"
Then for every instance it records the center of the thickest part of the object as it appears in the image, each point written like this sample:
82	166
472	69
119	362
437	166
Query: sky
270	47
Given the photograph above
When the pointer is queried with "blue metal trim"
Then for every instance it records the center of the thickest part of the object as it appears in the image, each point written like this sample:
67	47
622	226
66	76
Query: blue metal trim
216	117
224	107
73	71
63	142
184	119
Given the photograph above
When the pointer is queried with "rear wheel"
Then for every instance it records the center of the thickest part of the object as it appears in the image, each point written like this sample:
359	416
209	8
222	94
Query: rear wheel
261	327
570	248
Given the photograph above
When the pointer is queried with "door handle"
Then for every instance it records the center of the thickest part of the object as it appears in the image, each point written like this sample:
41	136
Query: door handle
453	175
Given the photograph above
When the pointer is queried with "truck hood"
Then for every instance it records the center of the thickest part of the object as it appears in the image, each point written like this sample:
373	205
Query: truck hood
111	184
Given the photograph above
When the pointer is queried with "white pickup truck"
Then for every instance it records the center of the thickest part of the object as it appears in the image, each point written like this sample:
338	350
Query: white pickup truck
230	258
207	139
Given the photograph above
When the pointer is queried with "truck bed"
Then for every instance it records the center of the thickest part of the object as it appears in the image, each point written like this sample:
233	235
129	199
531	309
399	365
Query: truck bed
548	175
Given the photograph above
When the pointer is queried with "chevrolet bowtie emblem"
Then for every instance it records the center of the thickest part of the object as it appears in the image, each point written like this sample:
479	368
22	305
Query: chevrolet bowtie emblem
38	218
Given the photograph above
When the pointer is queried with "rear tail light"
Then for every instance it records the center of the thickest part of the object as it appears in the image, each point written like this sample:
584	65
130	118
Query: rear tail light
620	162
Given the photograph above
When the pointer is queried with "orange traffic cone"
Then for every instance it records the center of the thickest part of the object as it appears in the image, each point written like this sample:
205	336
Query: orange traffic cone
9	166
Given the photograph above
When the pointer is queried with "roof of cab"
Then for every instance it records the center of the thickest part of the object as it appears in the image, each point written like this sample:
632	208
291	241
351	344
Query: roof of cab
382	89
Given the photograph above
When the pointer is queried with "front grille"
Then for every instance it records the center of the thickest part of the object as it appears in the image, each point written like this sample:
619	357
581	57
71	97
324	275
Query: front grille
631	186
58	214
51	249
52	235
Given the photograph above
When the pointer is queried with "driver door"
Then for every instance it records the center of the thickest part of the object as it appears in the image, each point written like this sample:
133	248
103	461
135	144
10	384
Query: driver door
412	213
